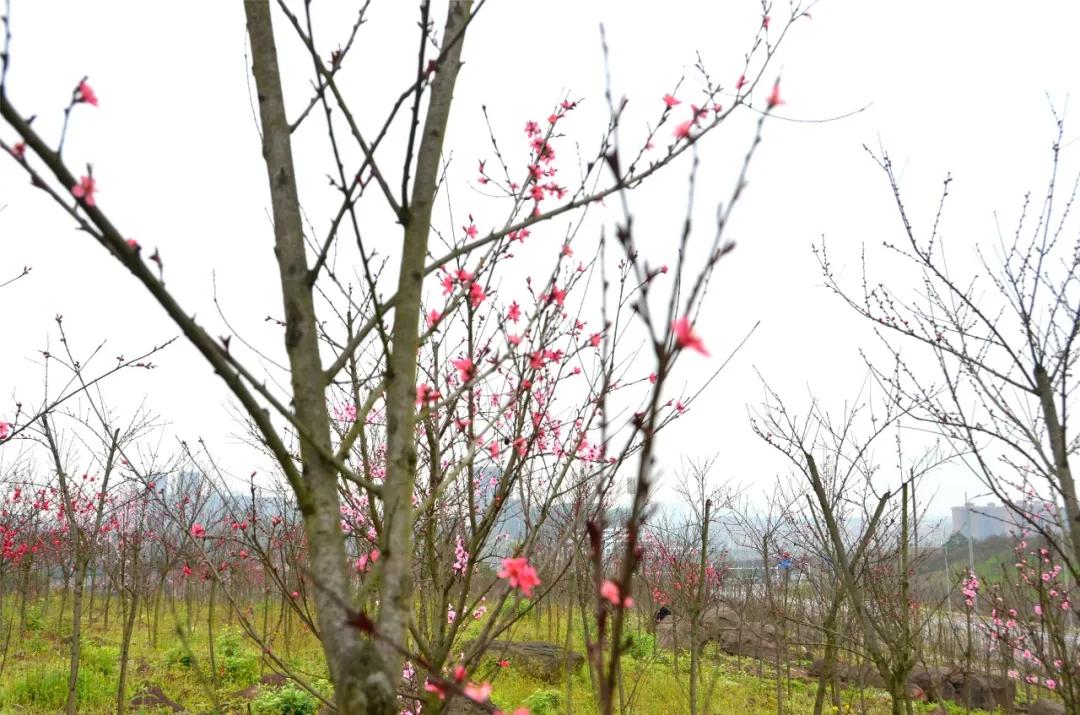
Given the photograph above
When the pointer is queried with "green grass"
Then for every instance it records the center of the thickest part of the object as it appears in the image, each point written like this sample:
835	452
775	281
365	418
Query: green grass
34	679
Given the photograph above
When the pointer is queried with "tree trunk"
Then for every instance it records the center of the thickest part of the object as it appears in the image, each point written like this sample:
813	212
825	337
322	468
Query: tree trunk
1058	444
210	632
125	651
696	613
395	585
361	682
828	663
76	638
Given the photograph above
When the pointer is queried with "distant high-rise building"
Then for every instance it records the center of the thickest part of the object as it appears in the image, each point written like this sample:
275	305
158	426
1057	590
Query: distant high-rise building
982	522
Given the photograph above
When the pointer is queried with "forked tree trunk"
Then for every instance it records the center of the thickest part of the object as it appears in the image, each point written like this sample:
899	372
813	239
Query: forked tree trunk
364	677
395	585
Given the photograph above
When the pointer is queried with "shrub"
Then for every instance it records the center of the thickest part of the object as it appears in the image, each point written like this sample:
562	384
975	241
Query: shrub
544	702
228	644
102	659
289	700
242	668
642	645
33	621
234	663
179	655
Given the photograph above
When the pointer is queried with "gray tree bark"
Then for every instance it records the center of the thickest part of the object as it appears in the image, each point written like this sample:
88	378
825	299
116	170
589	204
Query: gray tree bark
364	676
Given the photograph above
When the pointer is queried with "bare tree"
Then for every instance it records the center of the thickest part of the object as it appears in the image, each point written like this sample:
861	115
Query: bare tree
874	558
1002	337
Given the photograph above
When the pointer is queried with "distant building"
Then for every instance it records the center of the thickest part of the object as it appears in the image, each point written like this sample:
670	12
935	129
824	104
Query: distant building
982	522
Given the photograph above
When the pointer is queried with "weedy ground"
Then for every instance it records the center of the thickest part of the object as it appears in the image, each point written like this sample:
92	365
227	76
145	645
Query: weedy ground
35	669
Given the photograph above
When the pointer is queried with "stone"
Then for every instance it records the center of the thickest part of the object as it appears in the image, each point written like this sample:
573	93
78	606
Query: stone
274	679
463	706
1046	707
543	661
864	674
672	633
151	697
936	682
983	691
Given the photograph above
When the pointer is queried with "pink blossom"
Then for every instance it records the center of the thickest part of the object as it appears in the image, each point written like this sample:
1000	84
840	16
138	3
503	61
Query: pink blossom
741	83
86	94
198	531
433	687
671	101
5	430
1051	683
461	556
774	97
19	150
609	591
465	368
476	294
425	393
520	575
85	190
682	130
685	337
514	312
478	693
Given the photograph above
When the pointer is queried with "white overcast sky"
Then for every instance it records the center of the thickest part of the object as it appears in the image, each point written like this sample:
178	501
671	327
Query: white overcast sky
949	85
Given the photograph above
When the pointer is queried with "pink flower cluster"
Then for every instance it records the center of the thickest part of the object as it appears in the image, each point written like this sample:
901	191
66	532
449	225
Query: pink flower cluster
520	575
